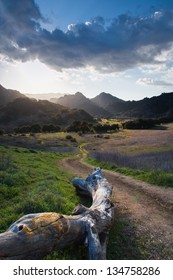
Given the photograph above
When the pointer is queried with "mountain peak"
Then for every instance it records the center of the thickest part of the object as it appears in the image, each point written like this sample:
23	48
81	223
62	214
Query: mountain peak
104	94
104	99
108	96
79	94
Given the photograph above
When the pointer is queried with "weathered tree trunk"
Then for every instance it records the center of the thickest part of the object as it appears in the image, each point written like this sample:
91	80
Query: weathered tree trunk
35	235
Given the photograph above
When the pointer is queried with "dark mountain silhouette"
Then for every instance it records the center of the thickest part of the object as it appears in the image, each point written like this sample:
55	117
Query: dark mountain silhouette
106	105
154	107
17	109
79	101
8	95
25	111
105	99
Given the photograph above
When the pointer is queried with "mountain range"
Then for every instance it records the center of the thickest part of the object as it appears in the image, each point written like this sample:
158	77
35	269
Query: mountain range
17	109
107	105
79	101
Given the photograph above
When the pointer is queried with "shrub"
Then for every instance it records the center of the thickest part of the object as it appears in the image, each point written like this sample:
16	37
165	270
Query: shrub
139	124
68	137
2	132
71	138
80	126
50	128
36	128
106	128
23	129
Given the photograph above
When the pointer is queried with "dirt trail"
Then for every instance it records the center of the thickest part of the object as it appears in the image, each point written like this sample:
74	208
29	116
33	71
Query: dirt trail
148	209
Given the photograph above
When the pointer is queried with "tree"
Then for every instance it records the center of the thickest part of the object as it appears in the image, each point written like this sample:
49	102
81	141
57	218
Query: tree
23	129
35	128
50	128
35	235
106	128
80	126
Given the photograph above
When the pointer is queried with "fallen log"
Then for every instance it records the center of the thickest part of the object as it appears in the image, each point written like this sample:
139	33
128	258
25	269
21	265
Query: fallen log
35	235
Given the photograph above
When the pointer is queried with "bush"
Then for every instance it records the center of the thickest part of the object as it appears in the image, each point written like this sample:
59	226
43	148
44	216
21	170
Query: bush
68	137
2	132
139	124
50	128
71	138
23	129
106	128
36	128
82	127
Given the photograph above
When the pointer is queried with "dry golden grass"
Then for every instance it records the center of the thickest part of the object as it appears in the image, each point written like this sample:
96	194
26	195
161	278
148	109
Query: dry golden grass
137	141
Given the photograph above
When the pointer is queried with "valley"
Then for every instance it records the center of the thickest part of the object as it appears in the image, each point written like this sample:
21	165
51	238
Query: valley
86	91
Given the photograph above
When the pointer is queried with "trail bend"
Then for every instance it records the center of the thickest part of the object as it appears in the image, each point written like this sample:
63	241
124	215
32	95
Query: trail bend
148	208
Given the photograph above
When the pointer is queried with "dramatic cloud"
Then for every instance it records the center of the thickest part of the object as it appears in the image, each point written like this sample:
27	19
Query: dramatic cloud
123	44
18	19
152	82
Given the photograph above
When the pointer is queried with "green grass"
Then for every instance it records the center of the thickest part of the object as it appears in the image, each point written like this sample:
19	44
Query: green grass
123	243
159	178
30	182
74	252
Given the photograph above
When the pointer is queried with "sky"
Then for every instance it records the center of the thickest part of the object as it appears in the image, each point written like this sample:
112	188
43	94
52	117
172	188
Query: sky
123	47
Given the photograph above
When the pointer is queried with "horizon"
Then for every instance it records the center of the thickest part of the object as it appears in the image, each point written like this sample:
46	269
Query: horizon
50	94
119	47
54	93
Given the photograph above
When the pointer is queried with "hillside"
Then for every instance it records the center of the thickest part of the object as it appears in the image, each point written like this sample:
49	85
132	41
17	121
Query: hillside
154	107
8	95
25	111
79	101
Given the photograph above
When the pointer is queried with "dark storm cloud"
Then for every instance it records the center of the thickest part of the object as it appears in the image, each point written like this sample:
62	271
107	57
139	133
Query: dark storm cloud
125	43
17	19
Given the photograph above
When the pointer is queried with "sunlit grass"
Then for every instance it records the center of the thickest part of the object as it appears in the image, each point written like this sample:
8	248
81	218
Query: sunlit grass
110	121
59	135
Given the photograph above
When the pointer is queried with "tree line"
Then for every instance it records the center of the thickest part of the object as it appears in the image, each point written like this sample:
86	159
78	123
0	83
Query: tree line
87	127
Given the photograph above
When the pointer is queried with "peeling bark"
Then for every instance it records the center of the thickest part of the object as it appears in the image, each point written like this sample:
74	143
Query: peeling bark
35	235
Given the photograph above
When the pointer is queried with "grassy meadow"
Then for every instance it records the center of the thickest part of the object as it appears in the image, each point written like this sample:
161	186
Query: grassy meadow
144	154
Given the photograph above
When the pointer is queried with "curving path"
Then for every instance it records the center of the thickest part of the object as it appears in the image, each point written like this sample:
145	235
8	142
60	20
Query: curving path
148	208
